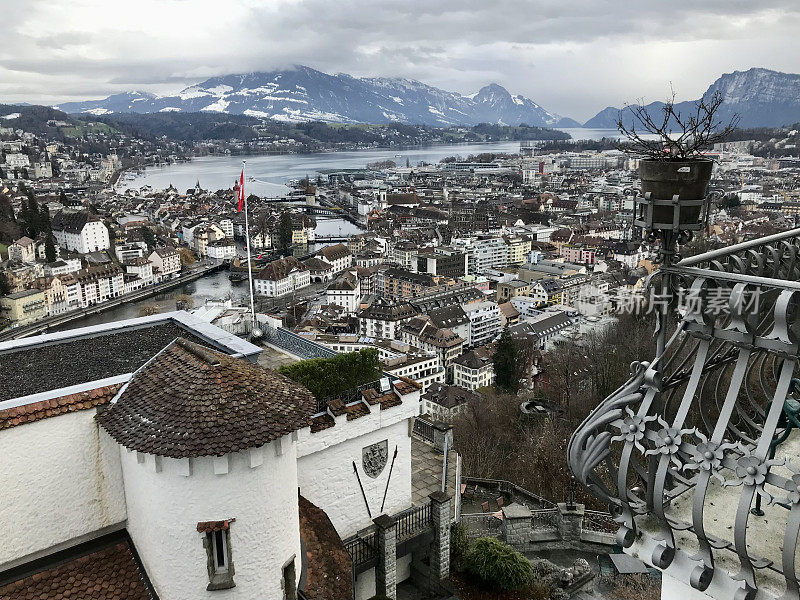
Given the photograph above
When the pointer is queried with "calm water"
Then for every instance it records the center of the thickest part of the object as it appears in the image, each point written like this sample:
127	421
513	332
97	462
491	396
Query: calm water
272	172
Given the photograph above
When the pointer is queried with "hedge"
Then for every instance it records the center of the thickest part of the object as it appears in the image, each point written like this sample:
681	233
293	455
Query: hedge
498	565
330	376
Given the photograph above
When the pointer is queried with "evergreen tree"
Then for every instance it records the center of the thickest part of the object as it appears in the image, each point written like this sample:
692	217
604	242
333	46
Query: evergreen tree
506	373
32	216
46	226
50	248
285	229
5	287
148	236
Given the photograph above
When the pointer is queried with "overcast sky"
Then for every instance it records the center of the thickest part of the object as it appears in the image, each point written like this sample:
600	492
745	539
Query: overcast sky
572	57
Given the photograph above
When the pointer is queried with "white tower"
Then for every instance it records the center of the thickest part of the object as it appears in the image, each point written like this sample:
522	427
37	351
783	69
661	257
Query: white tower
210	473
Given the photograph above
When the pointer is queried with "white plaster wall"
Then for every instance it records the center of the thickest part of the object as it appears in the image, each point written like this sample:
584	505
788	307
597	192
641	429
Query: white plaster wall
165	507
365	582
60	479
327	479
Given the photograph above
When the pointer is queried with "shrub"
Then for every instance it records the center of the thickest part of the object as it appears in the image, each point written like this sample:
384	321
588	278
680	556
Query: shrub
498	564
330	376
459	546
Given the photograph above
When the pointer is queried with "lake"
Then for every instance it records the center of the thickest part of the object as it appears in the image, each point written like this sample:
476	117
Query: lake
272	172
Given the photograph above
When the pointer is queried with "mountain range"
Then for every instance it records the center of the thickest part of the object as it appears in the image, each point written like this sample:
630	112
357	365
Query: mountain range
761	98
305	94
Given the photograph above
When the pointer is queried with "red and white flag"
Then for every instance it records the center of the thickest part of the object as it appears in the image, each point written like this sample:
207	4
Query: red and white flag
241	193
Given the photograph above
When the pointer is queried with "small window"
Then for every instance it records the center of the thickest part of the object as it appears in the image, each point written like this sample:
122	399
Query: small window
219	551
217	542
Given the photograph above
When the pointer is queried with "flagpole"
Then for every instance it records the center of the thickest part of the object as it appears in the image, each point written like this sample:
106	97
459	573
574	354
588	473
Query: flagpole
249	262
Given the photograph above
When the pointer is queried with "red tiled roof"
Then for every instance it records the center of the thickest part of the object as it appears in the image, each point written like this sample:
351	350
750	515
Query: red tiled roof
108	574
191	401
328	563
211	526
322	422
11	417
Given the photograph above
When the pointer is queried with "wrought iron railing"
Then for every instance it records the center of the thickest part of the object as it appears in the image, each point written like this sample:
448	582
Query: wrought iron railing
544	520
600	522
362	549
423	429
482	525
413	521
699	428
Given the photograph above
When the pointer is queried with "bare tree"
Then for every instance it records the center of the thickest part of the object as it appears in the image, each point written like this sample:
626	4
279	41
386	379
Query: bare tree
678	137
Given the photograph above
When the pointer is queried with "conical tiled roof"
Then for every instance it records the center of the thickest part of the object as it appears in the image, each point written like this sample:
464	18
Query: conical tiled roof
192	401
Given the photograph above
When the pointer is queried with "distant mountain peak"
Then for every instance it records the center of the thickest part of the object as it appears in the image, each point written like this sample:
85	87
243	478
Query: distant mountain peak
301	93
760	97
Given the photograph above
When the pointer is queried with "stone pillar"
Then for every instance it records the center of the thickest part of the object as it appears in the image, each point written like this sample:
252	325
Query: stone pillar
441	432
386	570
440	548
570	521
517	525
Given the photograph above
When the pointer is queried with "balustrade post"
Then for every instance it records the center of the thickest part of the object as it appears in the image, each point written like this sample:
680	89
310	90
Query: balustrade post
517	525
440	548
570	521
386	569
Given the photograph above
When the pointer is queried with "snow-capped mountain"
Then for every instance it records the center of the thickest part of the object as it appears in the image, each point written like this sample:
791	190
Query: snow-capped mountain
304	94
761	98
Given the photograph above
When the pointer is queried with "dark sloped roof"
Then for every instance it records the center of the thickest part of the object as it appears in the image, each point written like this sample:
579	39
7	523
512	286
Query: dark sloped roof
191	401
71	222
334	252
111	572
42	367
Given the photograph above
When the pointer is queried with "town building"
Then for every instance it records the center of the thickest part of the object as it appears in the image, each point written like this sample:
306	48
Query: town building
346	292
80	232
22	308
222	249
281	277
485	322
442	261
22	250
382	319
338	256
445	402
166	263
474	369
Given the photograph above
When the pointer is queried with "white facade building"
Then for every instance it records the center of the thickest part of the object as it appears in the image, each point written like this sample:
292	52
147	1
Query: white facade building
281	277
80	232
485	322
166	263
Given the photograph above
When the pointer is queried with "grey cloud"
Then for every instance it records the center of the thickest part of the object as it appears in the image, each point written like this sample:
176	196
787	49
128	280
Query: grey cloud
571	56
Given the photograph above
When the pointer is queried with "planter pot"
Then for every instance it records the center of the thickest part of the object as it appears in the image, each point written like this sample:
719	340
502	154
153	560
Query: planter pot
687	179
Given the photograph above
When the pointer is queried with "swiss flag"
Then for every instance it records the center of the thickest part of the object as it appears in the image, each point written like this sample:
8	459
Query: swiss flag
241	193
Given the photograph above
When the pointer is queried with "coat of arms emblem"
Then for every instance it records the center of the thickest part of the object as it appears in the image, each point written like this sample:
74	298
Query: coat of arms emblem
374	457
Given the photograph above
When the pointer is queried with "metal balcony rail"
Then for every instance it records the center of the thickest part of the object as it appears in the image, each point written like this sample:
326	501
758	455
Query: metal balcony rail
482	525
423	429
545	519
362	549
706	418
600	522
413	521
